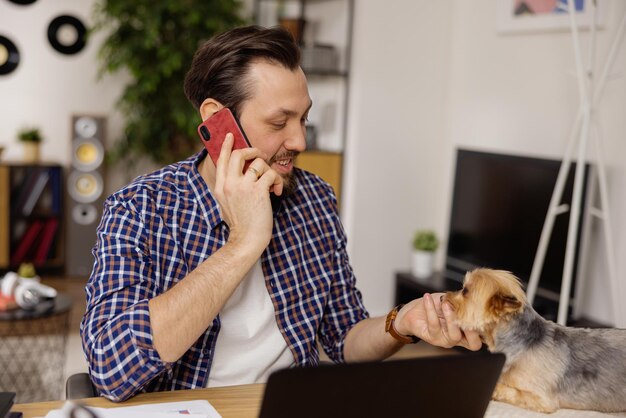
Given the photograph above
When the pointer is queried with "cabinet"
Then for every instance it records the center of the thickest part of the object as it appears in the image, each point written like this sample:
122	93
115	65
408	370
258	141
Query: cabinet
31	217
409	287
323	29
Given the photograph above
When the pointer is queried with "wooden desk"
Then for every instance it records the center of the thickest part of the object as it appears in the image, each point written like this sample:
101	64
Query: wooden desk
231	402
245	402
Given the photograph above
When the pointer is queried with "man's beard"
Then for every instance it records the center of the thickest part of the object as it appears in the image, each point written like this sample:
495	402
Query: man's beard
290	184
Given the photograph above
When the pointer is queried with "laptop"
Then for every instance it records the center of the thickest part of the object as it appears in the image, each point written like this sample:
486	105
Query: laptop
445	387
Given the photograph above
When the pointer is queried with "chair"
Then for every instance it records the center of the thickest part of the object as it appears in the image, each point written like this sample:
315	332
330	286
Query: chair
79	386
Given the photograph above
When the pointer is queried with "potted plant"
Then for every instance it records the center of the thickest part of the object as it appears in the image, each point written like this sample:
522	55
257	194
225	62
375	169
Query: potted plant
30	139
155	42
425	243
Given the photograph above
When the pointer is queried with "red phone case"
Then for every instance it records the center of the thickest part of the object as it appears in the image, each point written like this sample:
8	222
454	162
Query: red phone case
213	131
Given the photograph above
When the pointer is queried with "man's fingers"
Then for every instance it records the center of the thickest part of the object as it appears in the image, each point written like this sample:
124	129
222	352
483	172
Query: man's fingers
474	342
256	169
437	302
432	318
454	332
222	161
272	181
239	157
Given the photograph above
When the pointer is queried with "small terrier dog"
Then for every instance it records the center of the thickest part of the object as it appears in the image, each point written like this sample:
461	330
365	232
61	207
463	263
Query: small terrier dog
547	366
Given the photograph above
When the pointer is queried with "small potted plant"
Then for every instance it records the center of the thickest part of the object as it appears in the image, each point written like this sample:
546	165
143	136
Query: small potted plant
425	243
30	138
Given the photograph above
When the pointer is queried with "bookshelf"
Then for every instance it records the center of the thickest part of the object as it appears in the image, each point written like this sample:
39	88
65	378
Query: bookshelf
31	217
323	28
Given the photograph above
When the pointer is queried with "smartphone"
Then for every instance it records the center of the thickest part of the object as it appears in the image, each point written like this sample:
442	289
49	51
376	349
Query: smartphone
213	132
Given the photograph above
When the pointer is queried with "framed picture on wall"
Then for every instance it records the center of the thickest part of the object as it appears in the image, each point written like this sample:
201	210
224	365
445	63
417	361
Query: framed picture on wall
519	16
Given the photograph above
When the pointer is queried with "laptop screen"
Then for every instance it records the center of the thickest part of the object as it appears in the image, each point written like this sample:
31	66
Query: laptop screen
444	386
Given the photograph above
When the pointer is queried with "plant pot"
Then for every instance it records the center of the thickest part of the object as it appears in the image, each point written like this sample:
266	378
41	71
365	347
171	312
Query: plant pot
31	152
422	264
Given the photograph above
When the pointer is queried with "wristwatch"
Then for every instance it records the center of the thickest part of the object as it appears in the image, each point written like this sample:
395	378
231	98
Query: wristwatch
391	317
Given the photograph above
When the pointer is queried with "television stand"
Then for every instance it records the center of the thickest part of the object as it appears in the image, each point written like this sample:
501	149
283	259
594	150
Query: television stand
408	287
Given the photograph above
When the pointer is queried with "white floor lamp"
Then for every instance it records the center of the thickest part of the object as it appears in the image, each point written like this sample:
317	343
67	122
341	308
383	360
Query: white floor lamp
589	95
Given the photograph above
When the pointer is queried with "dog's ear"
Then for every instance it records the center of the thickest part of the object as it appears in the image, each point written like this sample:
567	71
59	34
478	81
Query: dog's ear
501	303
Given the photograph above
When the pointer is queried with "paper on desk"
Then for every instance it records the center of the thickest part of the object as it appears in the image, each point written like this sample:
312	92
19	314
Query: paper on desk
193	409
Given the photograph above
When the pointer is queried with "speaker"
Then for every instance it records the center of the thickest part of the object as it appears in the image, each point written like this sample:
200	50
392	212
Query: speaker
85	193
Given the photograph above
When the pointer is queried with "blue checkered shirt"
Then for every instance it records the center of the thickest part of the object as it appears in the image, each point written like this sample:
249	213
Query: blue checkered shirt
159	228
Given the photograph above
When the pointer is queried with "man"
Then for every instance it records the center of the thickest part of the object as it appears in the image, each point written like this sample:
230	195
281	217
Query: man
199	282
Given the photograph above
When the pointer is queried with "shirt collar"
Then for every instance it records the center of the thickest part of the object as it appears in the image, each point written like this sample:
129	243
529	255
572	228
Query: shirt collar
208	204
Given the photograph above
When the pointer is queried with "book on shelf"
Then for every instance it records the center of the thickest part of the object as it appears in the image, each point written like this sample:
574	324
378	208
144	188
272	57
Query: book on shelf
25	181
37	187
56	191
27	242
35	193
48	234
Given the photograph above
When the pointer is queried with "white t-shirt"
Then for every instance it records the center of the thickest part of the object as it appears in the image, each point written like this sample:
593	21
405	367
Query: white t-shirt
249	345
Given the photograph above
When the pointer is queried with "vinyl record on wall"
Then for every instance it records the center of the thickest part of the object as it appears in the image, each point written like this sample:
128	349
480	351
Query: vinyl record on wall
9	56
23	2
67	34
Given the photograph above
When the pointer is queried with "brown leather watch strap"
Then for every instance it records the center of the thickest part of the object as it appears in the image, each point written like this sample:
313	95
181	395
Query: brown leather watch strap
391	329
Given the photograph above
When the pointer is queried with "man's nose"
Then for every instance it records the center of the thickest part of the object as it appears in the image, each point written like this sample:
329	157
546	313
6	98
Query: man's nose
296	140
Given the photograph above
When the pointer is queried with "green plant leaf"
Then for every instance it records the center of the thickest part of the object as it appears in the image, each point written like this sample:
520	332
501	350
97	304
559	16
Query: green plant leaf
425	240
155	43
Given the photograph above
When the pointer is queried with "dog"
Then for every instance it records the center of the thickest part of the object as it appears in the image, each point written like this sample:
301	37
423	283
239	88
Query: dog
548	366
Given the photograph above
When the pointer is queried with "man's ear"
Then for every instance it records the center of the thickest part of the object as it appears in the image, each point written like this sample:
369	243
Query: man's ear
208	107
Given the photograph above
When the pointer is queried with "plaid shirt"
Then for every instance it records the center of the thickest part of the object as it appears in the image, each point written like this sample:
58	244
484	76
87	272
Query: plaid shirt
159	228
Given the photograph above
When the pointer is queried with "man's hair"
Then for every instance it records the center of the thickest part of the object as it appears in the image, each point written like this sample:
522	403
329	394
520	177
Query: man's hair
220	66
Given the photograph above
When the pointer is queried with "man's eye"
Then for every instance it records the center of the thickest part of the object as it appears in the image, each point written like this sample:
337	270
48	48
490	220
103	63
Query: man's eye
279	125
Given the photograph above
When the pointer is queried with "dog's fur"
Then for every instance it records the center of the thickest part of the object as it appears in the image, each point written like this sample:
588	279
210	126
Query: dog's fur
548	366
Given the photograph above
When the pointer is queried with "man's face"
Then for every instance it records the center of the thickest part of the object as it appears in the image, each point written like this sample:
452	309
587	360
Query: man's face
274	116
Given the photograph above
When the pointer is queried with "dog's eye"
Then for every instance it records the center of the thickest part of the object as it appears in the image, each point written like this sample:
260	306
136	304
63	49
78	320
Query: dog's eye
464	292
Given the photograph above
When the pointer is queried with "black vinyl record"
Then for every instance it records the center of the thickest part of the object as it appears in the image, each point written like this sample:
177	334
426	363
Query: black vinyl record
23	2
53	34
9	56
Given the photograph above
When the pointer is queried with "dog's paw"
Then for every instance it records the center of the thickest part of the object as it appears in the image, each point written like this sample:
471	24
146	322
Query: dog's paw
523	399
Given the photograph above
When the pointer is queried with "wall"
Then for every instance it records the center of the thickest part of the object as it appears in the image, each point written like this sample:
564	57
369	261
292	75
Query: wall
424	81
393	174
48	87
452	81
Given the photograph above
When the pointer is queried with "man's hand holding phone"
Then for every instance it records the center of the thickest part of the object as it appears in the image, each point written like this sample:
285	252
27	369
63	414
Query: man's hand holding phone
244	196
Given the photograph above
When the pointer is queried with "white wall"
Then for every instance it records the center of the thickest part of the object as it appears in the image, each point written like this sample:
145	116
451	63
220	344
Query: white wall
396	137
48	87
438	78
426	77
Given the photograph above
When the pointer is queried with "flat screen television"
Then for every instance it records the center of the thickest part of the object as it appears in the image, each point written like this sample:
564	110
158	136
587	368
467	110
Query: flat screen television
499	205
